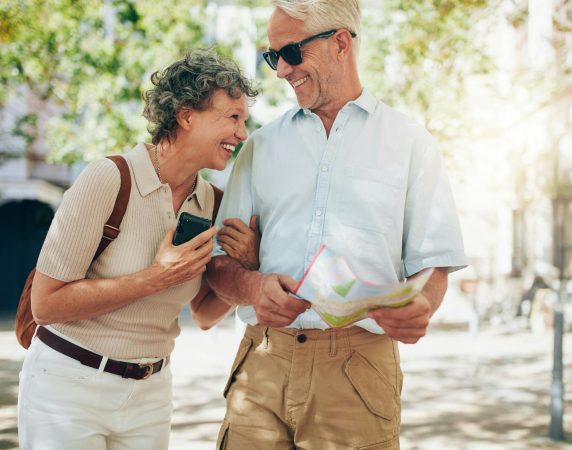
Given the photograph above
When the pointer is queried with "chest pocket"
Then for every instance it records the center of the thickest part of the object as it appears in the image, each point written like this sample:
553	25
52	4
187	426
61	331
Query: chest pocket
369	202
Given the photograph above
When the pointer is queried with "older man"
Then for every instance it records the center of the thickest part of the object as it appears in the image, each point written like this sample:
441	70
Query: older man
344	170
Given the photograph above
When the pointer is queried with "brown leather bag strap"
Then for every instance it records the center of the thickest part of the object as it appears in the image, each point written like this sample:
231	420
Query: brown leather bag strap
111	228
217	199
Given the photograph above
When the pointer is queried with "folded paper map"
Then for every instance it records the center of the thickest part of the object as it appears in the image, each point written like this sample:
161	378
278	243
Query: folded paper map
341	298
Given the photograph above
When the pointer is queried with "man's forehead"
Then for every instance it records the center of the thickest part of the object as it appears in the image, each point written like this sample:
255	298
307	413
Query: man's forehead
283	29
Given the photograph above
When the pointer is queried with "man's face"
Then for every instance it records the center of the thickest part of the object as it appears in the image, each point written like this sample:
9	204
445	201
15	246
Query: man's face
313	80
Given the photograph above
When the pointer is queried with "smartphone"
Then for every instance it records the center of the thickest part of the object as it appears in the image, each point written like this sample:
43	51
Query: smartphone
188	227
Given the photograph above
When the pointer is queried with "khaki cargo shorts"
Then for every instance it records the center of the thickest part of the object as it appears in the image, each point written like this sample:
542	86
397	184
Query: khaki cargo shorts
313	390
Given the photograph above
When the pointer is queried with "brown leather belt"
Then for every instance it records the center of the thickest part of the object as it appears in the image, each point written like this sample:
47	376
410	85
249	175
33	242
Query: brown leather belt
88	358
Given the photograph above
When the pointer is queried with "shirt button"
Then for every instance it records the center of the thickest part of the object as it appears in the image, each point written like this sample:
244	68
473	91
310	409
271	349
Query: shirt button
319	212
324	168
301	338
310	258
318	129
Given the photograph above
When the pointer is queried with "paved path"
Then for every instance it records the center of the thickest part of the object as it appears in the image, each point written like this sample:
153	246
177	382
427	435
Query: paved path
461	391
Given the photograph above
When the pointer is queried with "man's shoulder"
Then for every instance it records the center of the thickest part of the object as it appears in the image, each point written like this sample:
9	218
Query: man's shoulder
396	118
401	127
279	123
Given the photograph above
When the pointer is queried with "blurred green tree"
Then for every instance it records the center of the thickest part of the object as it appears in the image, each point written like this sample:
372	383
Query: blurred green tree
85	63
419	55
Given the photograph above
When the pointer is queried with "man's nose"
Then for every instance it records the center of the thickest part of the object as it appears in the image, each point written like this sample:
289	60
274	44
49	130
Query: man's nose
283	69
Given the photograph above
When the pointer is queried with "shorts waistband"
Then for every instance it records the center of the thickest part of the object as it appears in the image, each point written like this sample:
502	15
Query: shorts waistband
332	337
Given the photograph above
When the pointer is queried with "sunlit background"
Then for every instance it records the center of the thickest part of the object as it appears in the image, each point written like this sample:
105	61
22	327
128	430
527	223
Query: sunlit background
491	80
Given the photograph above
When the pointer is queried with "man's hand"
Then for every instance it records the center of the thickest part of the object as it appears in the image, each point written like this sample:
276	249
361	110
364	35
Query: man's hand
274	305
241	241
409	323
406	324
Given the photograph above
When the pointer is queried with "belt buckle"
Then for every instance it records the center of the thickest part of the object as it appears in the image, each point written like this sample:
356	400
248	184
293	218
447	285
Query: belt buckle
149	370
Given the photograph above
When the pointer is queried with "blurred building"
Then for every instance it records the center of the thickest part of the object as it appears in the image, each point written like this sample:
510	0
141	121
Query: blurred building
30	191
542	151
525	236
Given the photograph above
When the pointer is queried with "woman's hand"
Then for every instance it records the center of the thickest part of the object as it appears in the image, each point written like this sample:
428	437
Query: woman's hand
182	263
241	242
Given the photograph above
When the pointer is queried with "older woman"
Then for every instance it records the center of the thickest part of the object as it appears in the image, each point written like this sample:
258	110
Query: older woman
97	376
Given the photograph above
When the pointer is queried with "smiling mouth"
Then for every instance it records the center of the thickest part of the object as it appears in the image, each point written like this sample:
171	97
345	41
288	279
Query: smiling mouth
300	82
229	147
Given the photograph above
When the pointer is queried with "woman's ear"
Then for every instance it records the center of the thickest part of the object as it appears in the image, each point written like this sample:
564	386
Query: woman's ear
185	118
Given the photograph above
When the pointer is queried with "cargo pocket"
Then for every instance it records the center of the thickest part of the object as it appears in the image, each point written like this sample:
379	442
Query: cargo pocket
243	350
373	387
222	436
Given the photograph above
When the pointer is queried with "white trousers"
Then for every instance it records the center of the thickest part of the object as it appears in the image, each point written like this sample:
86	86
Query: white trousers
64	405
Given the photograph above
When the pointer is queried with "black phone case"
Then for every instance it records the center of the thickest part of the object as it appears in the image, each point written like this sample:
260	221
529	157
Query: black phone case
188	227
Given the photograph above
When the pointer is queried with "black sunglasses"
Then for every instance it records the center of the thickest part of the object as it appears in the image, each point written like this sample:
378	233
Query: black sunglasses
292	53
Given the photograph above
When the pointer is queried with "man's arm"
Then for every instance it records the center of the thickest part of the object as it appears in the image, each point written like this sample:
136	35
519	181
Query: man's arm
207	309
409	323
267	293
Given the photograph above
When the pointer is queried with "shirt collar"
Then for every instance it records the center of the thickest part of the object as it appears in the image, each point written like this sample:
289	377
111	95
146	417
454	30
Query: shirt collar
144	173
200	192
365	101
146	178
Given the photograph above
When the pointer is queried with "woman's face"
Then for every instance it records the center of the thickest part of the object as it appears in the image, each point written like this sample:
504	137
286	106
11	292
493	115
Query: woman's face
215	132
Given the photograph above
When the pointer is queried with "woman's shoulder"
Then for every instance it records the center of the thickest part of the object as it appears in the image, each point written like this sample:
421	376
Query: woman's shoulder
99	179
102	170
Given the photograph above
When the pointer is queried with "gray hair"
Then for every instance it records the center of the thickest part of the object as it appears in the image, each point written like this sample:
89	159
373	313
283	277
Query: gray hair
324	15
189	84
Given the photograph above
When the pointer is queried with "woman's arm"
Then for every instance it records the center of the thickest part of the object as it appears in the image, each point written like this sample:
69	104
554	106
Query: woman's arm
58	301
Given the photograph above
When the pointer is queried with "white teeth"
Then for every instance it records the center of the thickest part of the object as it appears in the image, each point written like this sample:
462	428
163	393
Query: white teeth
300	82
229	147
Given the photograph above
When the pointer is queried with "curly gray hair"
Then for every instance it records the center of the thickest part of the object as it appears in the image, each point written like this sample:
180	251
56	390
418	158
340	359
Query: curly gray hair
189	84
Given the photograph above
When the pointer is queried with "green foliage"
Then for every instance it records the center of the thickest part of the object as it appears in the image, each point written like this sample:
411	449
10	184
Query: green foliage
417	55
252	3
563	41
26	127
92	60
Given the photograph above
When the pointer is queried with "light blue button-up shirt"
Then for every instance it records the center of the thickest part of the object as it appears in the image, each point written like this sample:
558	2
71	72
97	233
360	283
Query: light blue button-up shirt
375	191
